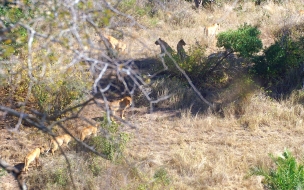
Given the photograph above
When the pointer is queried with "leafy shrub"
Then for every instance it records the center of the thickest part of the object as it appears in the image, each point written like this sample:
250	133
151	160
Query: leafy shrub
244	40
2	172
170	63
161	175
142	187
194	64
56	94
60	177
13	40
103	19
51	92
112	145
95	167
160	180
287	175
198	67
279	59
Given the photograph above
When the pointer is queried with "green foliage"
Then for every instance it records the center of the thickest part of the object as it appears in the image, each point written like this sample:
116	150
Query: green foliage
161	175
135	9
85	5
54	89
244	40
60	177
2	172
55	95
112	145
11	15
128	4
278	59
287	175
94	166
100	17
198	67
103	18
15	38
142	187
170	63
194	64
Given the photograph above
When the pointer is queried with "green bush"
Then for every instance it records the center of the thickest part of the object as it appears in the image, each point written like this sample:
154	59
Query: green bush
287	175
15	38
60	177
198	67
142	187
279	59
244	40
160	181
161	175
112	145
2	172
194	65
54	89
95	166
55	95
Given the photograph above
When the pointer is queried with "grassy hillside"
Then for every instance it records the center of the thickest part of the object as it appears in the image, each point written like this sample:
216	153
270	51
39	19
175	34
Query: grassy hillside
181	143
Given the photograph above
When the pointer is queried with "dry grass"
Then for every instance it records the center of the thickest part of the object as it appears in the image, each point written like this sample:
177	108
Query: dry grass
198	151
209	152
